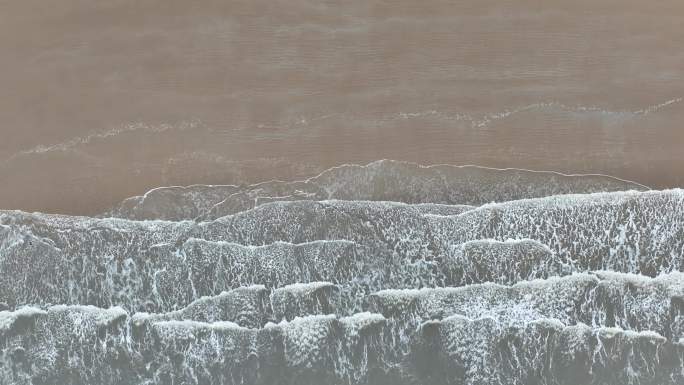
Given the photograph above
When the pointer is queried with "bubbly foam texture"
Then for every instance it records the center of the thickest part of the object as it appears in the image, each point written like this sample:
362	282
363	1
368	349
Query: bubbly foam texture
385	273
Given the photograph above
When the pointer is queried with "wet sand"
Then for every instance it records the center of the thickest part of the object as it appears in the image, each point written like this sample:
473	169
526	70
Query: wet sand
103	100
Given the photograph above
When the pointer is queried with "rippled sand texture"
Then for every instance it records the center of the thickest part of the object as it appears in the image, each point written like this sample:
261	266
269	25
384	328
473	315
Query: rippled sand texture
101	100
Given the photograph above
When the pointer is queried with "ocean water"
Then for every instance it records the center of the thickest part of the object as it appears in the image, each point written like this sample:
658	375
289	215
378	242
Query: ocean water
341	192
389	272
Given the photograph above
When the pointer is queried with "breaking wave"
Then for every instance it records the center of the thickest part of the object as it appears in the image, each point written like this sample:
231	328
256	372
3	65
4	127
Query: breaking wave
377	274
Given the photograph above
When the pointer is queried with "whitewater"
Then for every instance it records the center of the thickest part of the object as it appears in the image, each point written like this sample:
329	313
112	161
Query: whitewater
384	273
